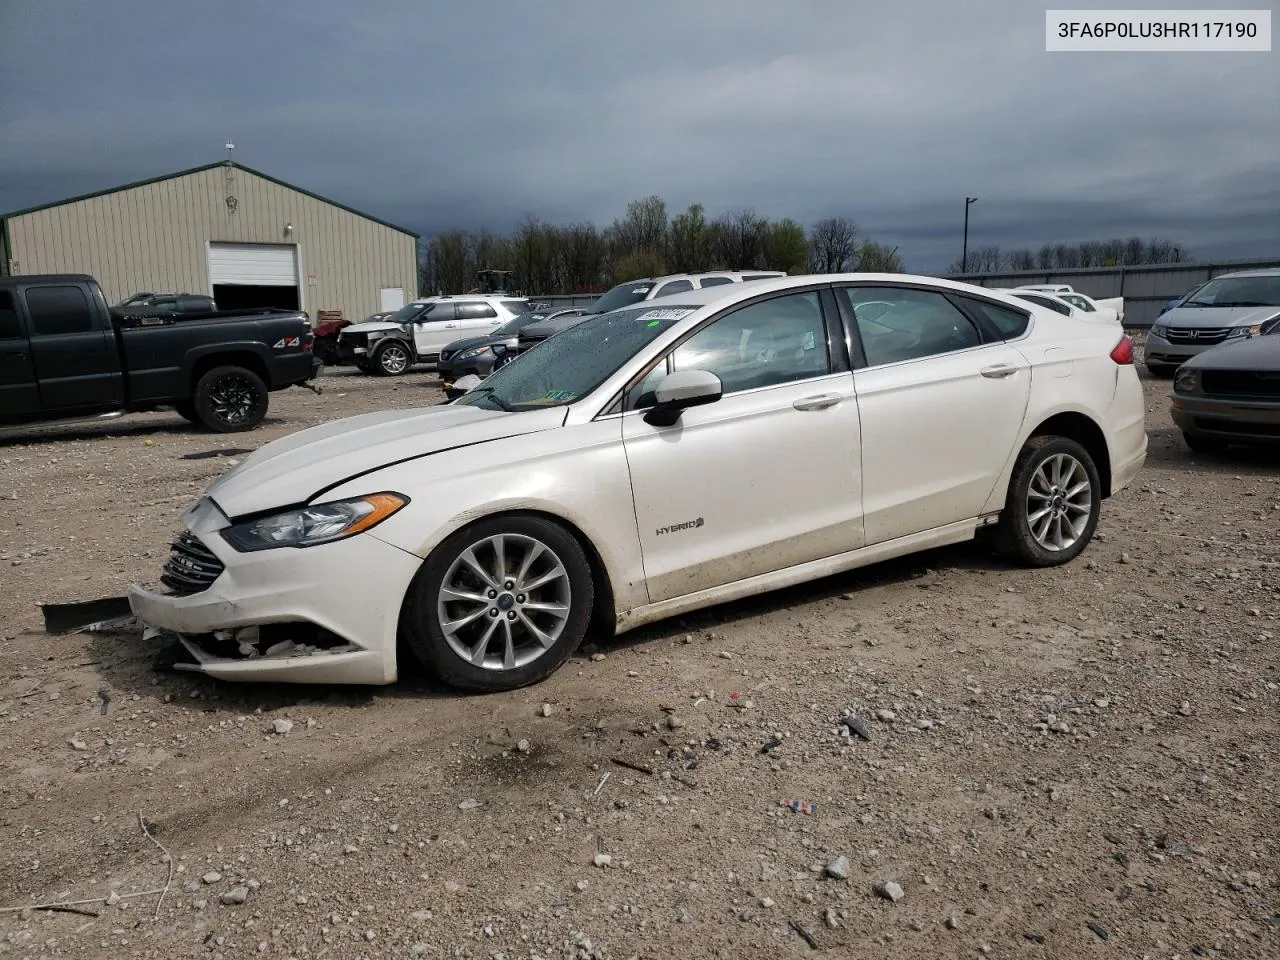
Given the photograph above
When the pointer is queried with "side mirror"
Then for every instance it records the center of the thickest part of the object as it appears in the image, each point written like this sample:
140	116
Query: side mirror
684	388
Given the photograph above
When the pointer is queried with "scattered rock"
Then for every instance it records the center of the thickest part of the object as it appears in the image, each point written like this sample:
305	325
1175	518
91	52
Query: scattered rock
952	922
725	655
886	716
597	657
831	918
235	896
78	745
1185	708
191	886
674	722
545	710
603	860
523	746
468	804
281	726
838	869
890	890
212	877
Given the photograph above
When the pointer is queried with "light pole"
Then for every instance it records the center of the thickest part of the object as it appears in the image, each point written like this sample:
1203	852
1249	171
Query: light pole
964	255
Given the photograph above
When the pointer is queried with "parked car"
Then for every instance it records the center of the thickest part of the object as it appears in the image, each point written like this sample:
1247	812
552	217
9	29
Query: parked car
1111	308
474	356
1224	308
627	294
64	355
416	332
1231	394
653	460
1051	301
164	305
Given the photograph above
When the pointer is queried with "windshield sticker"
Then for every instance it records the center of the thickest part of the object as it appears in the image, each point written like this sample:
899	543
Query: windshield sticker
556	396
671	313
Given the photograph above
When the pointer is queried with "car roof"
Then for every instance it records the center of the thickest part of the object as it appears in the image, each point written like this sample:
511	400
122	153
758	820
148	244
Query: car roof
1260	272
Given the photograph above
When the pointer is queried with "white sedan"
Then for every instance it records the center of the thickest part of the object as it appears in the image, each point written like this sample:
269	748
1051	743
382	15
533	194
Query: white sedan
651	461
1111	308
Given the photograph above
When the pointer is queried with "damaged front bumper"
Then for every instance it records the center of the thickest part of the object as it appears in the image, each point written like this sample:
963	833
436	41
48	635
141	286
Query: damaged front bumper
323	614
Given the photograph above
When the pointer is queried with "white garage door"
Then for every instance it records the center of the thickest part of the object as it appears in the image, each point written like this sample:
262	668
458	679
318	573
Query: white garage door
253	264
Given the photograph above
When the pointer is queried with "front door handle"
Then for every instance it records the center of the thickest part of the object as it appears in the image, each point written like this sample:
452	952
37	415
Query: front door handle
999	370
15	354
820	402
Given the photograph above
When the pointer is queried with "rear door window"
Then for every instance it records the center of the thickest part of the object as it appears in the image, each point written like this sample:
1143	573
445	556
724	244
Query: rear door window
675	286
58	310
475	311
10	325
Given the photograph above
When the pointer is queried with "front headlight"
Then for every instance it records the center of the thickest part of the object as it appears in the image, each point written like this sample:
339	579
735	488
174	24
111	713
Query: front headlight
1159	330
1252	331
473	352
1187	381
308	526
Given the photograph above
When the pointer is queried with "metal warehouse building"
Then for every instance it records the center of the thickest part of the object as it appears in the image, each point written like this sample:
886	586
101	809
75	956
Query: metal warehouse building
245	238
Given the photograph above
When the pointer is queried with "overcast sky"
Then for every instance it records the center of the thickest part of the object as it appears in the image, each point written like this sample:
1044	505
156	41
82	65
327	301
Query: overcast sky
435	115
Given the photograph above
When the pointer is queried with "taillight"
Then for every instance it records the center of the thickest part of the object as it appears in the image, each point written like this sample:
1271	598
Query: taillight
1123	352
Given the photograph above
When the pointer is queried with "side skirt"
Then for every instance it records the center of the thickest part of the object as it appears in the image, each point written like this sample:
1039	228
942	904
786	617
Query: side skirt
804	572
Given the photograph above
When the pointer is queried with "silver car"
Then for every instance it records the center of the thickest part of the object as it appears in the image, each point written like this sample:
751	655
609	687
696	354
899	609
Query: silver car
1224	308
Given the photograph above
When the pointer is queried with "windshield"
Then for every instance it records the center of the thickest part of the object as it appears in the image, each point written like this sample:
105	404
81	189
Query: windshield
405	313
623	295
572	364
1237	292
516	324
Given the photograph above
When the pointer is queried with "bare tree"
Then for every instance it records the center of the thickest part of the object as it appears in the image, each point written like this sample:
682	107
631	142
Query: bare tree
580	254
1022	259
738	241
455	266
833	245
643	228
878	258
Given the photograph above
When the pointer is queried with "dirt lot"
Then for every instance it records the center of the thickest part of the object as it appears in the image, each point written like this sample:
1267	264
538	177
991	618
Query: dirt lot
1073	763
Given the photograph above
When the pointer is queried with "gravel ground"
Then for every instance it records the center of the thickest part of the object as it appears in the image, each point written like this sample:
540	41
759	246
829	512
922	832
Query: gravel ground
1078	762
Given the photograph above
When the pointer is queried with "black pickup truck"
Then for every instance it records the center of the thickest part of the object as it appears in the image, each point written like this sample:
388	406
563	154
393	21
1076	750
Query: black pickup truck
64	354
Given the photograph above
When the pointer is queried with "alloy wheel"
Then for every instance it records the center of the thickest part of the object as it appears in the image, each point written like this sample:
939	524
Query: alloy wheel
504	601
232	398
1059	502
394	359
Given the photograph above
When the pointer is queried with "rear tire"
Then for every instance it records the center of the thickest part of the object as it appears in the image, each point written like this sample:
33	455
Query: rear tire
1206	445
513	617
230	399
1053	504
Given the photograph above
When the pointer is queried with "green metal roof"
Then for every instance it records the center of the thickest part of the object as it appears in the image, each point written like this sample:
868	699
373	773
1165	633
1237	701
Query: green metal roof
202	169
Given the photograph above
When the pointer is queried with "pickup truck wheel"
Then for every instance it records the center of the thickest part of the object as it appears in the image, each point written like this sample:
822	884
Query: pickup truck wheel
500	604
230	399
1053	504
391	359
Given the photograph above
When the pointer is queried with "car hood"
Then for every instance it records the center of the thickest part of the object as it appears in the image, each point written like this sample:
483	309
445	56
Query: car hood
1216	316
372	327
294	469
547	328
469	342
1253	353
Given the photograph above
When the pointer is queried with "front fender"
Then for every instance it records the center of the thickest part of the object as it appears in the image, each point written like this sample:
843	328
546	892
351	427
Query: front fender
577	474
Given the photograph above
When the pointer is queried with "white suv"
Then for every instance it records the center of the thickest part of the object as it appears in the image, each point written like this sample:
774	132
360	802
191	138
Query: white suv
416	332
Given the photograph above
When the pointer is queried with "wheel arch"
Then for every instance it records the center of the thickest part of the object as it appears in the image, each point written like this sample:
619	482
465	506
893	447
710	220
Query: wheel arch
603	609
235	358
1084	430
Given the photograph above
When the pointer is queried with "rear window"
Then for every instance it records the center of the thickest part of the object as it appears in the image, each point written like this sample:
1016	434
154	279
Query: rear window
716	281
57	310
1061	308
518	306
1011	323
10	327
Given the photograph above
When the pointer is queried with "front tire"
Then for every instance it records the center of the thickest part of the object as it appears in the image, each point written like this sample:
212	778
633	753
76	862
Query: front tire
230	399
1053	504
391	359
500	604
1161	371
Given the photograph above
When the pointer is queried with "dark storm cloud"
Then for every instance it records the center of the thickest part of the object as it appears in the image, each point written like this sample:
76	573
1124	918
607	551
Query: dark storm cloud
437	115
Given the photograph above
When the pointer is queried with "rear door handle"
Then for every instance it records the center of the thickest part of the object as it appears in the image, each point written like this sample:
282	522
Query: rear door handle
820	402
999	370
16	354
